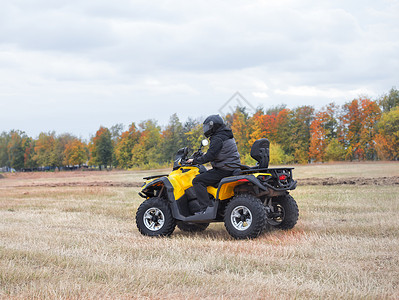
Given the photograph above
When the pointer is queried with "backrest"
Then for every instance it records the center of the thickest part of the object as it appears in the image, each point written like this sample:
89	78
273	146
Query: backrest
260	152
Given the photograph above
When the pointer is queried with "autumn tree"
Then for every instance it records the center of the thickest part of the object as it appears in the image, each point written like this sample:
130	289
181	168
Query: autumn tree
124	147
147	151
387	139
257	127
318	141
28	144
322	130
239	125
359	119
45	154
75	153
59	148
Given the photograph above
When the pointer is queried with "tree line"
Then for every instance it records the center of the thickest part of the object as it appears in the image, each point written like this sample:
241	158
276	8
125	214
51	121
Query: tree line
361	129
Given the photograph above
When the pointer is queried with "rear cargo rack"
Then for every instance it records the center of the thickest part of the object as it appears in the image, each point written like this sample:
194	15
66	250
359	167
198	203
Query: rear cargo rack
273	171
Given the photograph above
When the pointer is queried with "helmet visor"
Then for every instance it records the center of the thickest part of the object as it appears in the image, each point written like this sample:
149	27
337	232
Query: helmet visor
207	129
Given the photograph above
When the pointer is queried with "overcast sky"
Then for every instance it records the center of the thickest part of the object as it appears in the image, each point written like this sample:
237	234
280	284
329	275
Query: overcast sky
73	65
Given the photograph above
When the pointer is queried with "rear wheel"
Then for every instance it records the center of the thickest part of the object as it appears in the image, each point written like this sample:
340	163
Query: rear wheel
285	214
245	217
192	227
154	218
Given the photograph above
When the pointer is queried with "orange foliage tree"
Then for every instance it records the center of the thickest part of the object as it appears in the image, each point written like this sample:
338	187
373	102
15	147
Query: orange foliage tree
322	130
358	128
239	125
75	153
124	146
318	141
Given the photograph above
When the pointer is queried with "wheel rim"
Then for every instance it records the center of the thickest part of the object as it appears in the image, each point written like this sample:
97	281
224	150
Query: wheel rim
277	216
153	218
241	218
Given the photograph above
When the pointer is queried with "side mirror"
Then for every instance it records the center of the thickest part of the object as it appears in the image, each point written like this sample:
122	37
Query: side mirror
204	143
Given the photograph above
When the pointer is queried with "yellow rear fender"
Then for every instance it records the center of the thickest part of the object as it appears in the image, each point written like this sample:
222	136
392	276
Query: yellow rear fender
228	184
212	190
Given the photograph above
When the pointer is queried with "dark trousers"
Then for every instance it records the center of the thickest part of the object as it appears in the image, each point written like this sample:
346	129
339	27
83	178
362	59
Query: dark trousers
210	178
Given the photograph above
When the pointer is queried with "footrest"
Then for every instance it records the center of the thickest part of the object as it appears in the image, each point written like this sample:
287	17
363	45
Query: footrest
208	215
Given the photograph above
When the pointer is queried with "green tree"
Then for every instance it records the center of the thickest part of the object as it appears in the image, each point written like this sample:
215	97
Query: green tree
16	150
282	133
388	102
172	138
193	133
4	140
101	148
277	155
334	151
193	136
116	132
299	140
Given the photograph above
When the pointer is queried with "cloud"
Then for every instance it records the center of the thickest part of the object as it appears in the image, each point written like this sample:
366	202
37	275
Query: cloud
332	93
110	62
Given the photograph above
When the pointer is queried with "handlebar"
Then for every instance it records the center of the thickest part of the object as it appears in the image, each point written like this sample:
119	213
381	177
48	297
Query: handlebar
181	157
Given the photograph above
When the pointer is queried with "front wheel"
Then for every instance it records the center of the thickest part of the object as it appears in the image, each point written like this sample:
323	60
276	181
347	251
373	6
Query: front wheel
154	218
245	217
285	212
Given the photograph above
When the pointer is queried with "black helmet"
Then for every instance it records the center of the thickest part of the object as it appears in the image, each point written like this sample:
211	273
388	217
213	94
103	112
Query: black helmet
211	124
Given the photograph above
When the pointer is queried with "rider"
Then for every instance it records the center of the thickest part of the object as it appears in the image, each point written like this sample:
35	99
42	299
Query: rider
222	154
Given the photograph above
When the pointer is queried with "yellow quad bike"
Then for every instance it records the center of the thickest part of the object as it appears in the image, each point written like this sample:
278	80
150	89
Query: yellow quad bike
253	200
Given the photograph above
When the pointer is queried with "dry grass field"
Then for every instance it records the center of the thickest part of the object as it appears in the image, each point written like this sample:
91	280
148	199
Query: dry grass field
72	235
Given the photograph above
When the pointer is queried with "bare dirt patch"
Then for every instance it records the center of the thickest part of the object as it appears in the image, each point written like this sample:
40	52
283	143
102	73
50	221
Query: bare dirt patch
391	180
93	183
62	174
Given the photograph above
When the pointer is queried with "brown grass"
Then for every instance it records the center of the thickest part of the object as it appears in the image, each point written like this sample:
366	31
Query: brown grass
81	242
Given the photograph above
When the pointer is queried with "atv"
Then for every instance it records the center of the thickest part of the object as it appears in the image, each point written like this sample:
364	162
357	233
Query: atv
253	200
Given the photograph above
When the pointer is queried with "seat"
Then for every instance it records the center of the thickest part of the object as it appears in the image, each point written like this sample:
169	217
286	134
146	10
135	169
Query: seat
260	152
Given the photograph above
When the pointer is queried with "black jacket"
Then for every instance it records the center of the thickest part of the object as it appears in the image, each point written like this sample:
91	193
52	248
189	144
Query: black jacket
222	150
